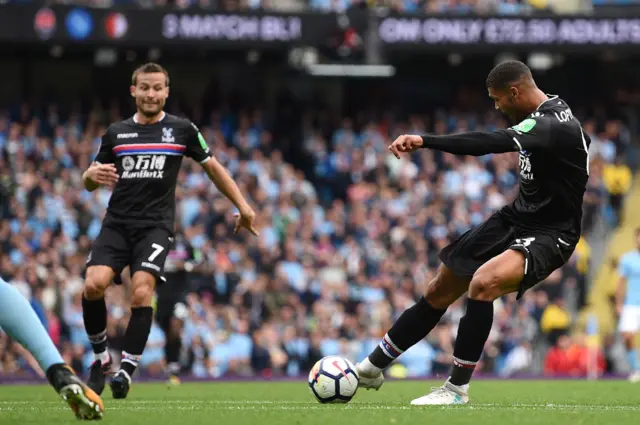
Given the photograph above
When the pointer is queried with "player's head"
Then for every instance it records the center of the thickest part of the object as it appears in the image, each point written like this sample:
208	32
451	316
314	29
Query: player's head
511	86
150	88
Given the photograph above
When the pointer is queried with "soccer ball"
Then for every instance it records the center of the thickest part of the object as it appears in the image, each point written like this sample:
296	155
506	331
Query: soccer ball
333	379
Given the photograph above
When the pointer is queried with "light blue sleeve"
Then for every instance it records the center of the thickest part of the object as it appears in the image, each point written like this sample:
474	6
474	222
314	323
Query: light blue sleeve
623	266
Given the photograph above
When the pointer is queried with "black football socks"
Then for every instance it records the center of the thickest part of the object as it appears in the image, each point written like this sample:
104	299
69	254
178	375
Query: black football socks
172	354
94	313
473	333
135	338
411	327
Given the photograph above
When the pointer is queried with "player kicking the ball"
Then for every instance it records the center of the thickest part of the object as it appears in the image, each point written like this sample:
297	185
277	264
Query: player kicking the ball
141	158
516	247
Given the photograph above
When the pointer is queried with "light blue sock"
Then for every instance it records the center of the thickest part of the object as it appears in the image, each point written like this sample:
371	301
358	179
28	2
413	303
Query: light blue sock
632	358
21	323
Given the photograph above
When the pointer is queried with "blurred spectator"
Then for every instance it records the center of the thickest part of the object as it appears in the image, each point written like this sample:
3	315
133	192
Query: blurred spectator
555	320
572	357
617	179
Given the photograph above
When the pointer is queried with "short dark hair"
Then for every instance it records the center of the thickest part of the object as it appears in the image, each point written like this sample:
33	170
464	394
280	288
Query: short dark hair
149	68
507	73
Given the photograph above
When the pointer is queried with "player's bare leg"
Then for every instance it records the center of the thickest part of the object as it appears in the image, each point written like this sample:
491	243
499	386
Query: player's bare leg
499	276
632	356
137	333
412	326
94	311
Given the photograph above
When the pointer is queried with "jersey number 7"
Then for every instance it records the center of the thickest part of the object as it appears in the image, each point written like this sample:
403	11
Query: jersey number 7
157	249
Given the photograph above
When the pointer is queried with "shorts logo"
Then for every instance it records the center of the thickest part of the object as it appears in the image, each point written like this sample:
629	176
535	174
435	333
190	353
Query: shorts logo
167	135
151	266
143	167
89	257
523	242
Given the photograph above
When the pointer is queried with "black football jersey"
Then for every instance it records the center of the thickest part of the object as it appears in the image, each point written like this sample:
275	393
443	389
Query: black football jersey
553	160
554	168
148	158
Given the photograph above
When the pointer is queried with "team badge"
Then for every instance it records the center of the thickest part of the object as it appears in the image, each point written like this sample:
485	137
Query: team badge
167	135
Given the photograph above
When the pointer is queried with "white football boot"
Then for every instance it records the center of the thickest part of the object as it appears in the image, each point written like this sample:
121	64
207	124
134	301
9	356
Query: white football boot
368	379
447	394
634	377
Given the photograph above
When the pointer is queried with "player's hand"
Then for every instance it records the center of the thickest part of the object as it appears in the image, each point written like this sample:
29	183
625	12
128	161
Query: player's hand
245	219
404	144
103	174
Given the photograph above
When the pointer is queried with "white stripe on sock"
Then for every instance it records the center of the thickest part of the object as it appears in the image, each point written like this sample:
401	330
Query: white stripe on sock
133	362
395	347
464	362
98	338
386	353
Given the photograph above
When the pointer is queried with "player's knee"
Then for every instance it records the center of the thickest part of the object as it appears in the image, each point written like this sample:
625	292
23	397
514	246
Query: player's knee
143	290
142	296
445	288
437	294
485	286
96	284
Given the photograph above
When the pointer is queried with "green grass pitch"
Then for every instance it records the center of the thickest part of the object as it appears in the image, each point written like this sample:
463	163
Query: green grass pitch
291	403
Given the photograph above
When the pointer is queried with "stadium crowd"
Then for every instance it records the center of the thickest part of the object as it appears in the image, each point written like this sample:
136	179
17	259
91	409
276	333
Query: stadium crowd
349	235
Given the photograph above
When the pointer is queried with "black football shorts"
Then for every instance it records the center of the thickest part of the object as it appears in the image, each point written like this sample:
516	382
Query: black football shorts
545	251
140	248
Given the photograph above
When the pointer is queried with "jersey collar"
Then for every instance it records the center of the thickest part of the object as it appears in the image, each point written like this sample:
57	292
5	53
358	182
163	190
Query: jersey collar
550	96
135	117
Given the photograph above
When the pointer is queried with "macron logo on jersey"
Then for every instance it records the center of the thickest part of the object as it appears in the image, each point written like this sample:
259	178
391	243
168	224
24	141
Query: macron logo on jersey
127	136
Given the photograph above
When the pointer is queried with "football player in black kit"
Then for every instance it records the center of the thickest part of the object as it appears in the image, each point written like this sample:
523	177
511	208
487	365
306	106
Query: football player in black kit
181	262
140	157
517	247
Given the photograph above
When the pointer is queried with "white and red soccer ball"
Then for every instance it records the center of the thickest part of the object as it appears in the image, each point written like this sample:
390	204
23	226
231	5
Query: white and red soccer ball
333	379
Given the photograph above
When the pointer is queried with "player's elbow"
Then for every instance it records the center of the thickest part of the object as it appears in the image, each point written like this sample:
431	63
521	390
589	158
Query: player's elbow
217	173
213	168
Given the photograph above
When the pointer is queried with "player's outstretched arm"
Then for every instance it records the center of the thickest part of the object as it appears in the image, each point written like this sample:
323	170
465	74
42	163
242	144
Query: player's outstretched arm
225	184
476	143
100	174
532	133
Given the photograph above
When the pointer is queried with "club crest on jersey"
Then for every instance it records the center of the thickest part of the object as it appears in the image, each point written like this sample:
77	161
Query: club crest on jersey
167	135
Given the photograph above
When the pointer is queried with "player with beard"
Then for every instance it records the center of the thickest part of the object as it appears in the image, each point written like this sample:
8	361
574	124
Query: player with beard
140	157
517	247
